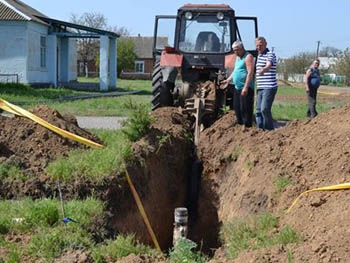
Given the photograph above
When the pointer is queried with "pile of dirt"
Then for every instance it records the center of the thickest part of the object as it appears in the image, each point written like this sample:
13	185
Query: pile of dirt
240	168
31	146
242	165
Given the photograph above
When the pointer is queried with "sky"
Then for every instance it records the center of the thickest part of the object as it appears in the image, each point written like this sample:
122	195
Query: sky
290	27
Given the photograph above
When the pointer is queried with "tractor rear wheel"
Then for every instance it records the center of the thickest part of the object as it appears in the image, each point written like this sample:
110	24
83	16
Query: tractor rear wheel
161	91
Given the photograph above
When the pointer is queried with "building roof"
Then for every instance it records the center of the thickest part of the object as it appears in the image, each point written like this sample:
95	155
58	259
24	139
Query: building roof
18	11
15	10
144	45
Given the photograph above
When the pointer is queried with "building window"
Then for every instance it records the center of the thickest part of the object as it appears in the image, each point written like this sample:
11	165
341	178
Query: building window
43	52
139	66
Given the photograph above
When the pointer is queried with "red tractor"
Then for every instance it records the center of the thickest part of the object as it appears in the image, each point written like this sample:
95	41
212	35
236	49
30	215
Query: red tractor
192	54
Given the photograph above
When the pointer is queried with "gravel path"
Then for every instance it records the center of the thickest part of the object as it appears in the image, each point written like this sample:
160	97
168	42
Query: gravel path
88	122
110	123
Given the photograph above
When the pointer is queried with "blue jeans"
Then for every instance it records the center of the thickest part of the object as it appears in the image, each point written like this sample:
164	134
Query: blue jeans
264	100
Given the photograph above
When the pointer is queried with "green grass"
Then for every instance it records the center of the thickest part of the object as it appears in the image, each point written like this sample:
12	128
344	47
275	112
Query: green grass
282	182
121	106
122	246
94	164
42	217
292	91
50	237
237	152
28	98
286	110
290	108
257	232
11	171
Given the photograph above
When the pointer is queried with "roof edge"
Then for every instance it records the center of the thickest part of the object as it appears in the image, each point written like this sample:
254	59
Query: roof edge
15	10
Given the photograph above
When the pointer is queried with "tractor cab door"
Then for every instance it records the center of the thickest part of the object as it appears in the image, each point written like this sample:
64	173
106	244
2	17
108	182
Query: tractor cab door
247	32
164	34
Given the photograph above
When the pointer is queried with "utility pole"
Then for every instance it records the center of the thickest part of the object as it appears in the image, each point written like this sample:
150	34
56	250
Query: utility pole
272	49
318	48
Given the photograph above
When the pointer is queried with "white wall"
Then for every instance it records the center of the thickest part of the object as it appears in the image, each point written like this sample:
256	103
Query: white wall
36	73
13	49
20	54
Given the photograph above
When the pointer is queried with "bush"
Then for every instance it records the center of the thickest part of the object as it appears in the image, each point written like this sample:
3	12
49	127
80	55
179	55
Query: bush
184	252
138	124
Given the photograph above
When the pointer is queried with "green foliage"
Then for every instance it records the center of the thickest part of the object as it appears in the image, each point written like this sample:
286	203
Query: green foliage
126	55
43	212
28	214
49	238
4	225
85	211
282	182
249	165
287	236
290	109
289	256
325	80
343	64
162	140
283	110
94	164
53	97
21	216
122	246
237	152
10	171
184	252
225	109
297	64
19	92
256	232
13	255
52	242
138	124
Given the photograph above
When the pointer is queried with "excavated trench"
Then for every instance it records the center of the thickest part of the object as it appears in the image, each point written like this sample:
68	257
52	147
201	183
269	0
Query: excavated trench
166	176
240	168
165	172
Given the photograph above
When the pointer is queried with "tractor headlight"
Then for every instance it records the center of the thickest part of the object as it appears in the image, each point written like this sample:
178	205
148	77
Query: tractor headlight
220	16
188	15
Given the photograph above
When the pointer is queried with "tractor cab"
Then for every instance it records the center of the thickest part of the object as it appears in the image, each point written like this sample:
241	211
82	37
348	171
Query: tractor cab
194	47
208	29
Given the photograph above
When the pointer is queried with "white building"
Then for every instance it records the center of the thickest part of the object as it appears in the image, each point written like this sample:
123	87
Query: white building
35	49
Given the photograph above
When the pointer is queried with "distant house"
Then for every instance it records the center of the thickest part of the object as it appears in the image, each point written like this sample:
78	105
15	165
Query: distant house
144	62
38	50
327	62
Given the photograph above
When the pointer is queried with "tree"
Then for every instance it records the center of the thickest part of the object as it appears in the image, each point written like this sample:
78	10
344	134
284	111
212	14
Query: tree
122	31
329	52
126	54
343	64
88	48
297	64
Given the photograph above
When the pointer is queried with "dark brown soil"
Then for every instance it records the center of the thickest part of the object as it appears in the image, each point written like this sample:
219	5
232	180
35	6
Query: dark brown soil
240	167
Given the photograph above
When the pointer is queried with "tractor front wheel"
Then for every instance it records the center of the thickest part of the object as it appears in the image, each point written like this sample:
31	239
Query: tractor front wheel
161	91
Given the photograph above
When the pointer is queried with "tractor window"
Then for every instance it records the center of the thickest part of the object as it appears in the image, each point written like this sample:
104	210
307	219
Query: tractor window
205	33
246	33
165	32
